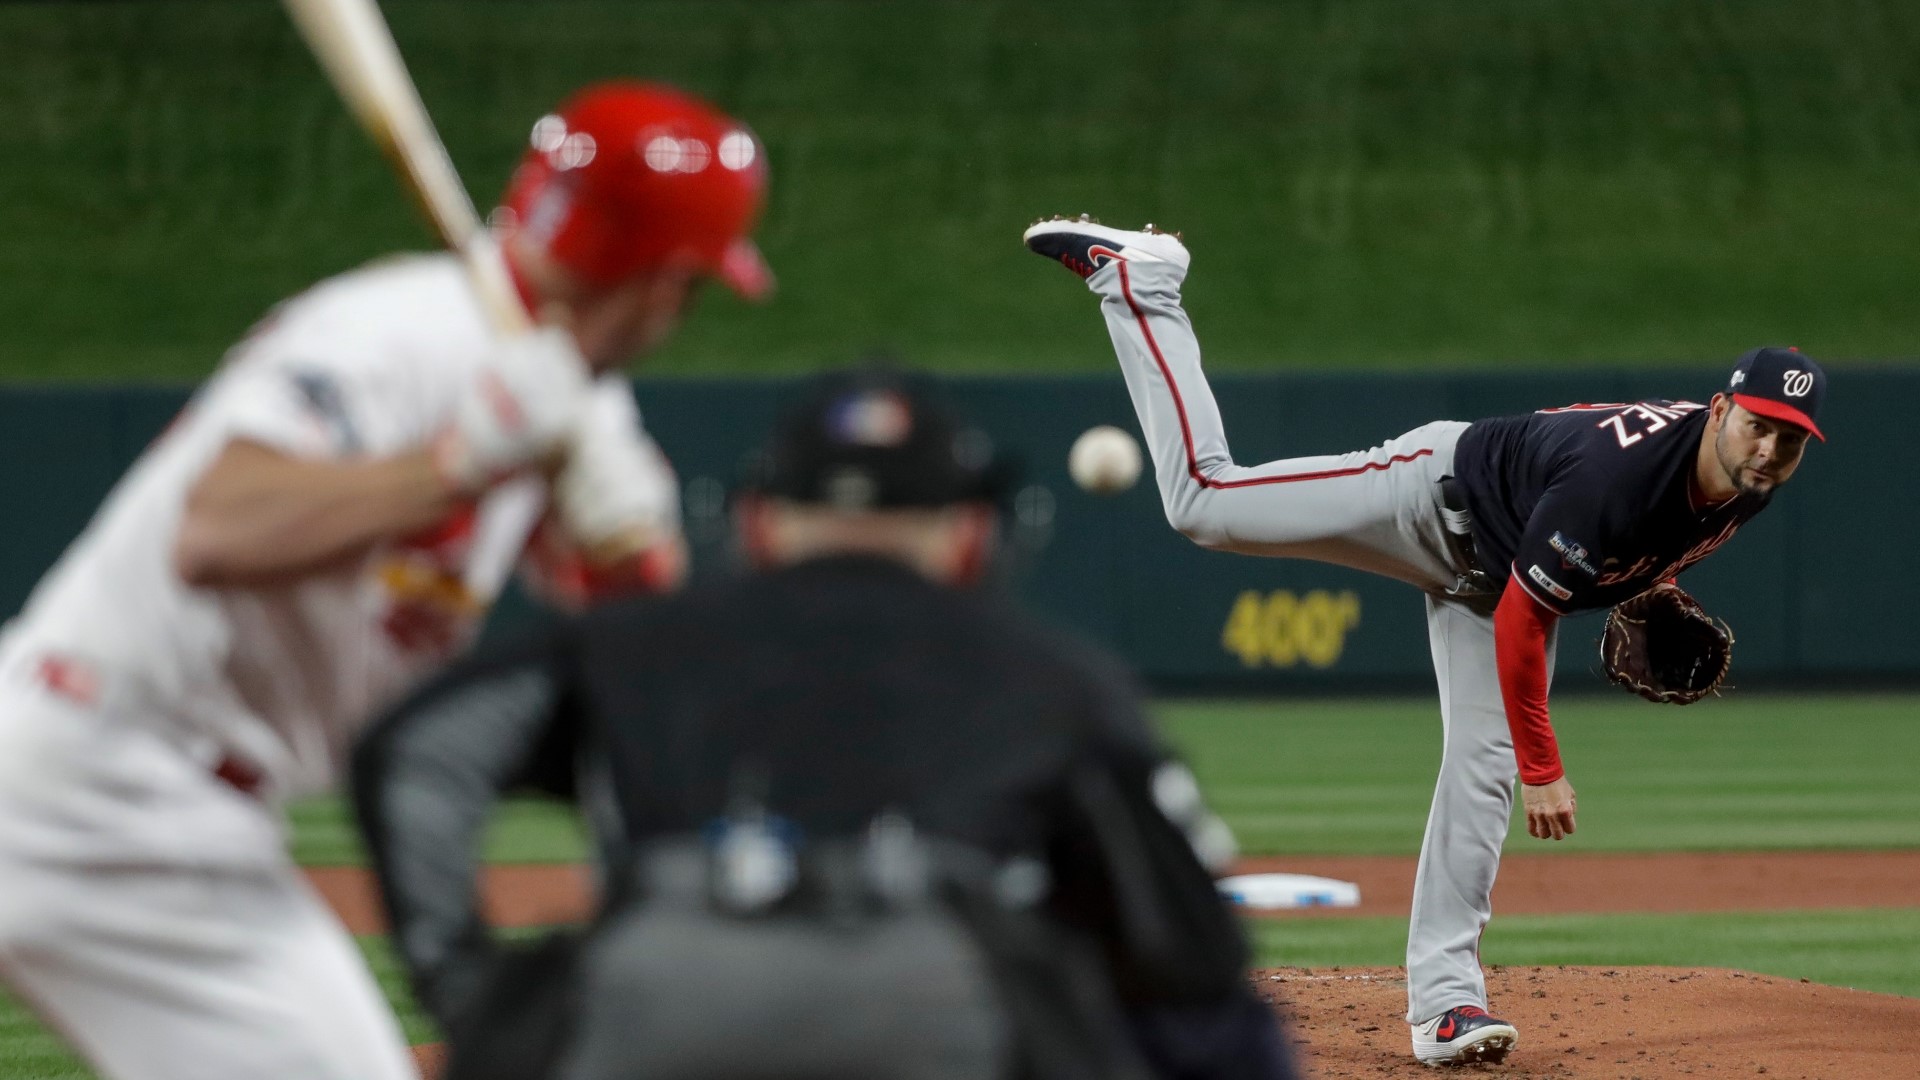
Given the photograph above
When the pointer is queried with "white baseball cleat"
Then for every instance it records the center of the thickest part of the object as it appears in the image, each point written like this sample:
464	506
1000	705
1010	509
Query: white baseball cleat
1083	245
1464	1035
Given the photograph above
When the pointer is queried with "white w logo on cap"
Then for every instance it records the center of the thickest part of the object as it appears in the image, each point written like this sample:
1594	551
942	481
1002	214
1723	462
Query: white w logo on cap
1797	383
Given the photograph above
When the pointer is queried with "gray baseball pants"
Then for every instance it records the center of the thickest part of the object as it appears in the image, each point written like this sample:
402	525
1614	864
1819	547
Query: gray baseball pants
679	993
1376	510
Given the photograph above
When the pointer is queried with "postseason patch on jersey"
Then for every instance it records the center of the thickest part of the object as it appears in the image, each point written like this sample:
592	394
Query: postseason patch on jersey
322	396
1572	555
1554	588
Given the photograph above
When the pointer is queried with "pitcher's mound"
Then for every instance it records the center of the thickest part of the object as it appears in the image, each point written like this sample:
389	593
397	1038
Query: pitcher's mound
1582	1023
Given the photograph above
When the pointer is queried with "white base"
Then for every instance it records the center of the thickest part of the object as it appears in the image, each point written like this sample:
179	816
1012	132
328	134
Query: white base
1279	892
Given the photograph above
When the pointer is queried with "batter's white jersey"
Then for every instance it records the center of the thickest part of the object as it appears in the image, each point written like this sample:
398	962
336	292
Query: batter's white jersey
366	364
150	911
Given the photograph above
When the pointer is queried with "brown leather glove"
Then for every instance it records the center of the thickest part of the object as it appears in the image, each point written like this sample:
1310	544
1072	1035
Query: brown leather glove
1664	646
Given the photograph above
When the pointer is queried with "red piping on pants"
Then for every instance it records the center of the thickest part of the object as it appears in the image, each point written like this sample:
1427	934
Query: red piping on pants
1186	431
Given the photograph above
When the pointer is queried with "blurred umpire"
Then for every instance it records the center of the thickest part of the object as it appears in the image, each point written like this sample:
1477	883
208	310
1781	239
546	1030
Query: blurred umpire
856	820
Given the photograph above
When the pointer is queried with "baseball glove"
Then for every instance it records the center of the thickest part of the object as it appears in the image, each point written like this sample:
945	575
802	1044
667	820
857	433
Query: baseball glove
1664	646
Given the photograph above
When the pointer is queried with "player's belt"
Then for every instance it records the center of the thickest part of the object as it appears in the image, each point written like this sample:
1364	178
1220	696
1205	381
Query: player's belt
1458	522
744	870
1475	588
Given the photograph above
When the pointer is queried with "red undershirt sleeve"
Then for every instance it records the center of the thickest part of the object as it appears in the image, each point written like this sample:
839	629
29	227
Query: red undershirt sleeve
1520	628
555	570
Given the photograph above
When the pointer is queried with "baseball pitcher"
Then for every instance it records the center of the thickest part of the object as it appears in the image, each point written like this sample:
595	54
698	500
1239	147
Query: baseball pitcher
1507	525
327	522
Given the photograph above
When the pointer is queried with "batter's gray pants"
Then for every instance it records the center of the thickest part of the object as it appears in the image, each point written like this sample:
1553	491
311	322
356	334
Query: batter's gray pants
1377	510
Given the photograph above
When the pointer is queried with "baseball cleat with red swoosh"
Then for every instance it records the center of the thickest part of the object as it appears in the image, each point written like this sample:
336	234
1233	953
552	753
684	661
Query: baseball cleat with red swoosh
1083	245
1464	1035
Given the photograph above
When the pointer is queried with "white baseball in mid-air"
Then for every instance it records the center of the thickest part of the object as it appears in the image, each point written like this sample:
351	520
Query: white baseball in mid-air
1104	460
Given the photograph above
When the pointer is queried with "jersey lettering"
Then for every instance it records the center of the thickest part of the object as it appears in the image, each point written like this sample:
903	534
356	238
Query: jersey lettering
1704	548
429	606
1640	567
1619	426
1652	418
1587	407
1592	500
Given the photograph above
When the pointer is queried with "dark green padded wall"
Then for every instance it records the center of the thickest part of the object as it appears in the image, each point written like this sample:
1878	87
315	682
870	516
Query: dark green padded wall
1814	588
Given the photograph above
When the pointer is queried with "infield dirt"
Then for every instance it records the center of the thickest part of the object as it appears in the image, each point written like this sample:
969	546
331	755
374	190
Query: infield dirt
1583	1023
536	895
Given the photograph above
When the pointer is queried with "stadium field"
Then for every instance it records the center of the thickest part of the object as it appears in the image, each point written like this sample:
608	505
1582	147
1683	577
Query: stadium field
1352	776
1340	777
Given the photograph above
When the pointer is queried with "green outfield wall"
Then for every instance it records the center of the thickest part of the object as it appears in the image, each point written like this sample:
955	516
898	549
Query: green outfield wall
1373	183
1816	588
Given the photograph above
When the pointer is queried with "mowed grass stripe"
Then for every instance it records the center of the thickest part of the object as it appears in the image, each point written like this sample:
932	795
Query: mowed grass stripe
523	831
27	1052
1355	776
1876	950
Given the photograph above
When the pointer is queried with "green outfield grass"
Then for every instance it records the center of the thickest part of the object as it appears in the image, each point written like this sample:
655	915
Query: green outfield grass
1750	771
1875	950
1354	776
27	1052
1372	182
525	831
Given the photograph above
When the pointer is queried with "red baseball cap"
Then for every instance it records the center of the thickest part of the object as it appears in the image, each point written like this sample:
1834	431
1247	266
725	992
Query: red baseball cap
1780	384
628	176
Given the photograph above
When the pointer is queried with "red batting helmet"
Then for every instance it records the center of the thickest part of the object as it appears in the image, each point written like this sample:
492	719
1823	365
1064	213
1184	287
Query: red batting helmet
629	176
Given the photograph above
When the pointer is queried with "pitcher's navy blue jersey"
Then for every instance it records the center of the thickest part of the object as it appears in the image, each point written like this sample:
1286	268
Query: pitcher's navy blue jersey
1592	504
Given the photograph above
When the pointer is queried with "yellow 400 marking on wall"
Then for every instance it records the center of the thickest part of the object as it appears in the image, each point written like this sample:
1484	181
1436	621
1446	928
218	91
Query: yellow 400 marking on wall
1281	629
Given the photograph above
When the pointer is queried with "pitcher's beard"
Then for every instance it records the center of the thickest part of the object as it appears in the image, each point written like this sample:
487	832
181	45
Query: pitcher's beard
1737	475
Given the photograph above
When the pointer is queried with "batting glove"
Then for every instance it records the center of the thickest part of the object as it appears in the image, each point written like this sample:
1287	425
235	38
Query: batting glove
617	494
517	410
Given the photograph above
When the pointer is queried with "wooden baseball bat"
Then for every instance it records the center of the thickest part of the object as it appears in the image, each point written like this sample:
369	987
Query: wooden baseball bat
357	50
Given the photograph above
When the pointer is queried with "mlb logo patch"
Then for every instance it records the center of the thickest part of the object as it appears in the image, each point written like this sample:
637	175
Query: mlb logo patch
871	418
1554	588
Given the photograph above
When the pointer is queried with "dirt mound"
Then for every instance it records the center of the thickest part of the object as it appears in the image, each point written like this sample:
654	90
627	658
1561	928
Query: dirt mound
1580	1023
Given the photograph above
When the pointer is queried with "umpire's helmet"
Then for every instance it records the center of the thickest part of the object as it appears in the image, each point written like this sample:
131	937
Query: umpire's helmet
876	438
